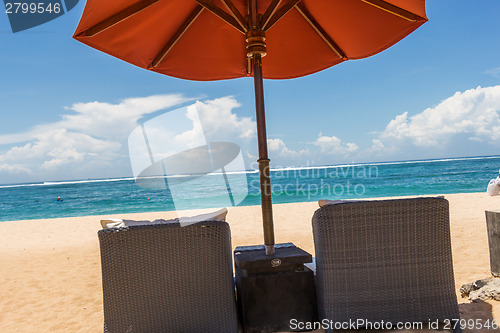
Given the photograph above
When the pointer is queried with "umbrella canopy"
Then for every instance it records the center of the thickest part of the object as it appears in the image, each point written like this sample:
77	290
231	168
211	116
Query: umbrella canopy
225	39
205	40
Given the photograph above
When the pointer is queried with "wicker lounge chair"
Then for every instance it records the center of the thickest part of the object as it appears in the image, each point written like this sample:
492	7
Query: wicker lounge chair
168	278
385	260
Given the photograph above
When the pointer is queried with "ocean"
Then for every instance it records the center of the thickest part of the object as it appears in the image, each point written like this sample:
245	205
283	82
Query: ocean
123	195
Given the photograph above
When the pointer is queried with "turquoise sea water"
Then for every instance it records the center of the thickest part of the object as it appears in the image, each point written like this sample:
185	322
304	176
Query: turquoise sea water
121	196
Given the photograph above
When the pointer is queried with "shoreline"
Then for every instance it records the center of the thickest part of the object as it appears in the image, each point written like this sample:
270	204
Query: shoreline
195	211
51	275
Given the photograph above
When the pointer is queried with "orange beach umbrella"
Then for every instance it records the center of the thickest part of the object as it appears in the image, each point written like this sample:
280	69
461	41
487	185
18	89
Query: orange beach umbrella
224	39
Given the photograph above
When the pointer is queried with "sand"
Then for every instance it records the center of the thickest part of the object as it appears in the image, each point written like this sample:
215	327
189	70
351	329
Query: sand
50	274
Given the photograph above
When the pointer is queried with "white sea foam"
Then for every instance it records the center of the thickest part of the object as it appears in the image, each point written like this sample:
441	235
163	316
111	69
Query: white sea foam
56	183
351	165
384	163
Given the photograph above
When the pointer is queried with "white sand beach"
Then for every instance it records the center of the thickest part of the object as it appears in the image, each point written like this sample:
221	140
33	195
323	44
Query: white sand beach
50	274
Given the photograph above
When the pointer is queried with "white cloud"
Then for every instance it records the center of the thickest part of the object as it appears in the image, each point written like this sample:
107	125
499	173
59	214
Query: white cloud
101	119
474	113
275	145
469	118
89	139
116	120
220	123
88	142
325	150
333	145
14	169
495	72
91	135
65	148
377	145
186	129
278	146
475	139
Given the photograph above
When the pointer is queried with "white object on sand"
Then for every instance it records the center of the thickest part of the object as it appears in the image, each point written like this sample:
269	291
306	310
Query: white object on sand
494	187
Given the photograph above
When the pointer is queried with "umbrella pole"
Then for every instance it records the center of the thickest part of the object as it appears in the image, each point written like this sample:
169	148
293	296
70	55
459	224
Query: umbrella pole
265	180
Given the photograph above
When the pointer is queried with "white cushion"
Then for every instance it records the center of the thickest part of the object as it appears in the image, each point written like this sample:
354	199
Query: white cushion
112	223
323	203
120	223
219	215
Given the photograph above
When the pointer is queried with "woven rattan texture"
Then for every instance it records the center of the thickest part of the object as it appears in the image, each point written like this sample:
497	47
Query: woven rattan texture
385	260
168	278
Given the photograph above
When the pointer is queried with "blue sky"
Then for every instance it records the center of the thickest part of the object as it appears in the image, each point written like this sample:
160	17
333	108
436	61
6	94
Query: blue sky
65	107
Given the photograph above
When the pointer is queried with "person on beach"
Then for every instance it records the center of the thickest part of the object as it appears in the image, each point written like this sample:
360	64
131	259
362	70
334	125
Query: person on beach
494	186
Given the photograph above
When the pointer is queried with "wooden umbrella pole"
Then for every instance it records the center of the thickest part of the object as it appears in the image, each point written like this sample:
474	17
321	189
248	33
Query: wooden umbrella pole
256	49
265	180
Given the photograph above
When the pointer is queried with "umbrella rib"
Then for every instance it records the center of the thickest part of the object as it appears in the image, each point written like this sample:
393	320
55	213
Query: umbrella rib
253	14
221	14
319	30
236	14
390	8
280	13
178	34
270	11
119	17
